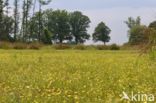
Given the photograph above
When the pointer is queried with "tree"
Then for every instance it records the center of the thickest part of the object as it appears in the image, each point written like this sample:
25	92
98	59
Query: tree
101	33
1	17
7	28
58	24
149	46
131	22
5	22
27	4
47	37
1	10
79	24
34	28
137	35
151	34
152	25
7	6
41	3
16	19
134	25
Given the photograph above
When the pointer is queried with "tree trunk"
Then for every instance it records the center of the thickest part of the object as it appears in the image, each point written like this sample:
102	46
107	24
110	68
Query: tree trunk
60	41
104	43
39	34
76	40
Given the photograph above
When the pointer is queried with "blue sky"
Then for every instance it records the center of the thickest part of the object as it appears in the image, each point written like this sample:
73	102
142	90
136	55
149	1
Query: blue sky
112	12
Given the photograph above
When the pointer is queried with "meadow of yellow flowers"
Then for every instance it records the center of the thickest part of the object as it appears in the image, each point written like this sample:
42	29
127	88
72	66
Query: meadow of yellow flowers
73	76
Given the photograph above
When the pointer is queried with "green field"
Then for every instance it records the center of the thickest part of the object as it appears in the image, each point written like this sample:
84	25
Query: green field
70	76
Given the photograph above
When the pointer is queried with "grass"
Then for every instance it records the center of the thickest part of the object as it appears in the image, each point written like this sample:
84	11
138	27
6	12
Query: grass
73	76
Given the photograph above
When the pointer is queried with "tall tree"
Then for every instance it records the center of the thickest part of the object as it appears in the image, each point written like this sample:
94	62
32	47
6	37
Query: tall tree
58	24
137	35
5	21
7	6
34	27
41	3
79	24
7	28
131	22
101	33
23	21
1	17
135	28
16	18
26	9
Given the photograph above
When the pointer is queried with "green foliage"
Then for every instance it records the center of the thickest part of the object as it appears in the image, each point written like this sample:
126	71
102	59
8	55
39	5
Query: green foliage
80	47
47	37
101	33
152	25
33	27
136	31
150	46
102	47
7	29
44	2
59	23
79	24
131	22
137	35
62	46
27	4
114	47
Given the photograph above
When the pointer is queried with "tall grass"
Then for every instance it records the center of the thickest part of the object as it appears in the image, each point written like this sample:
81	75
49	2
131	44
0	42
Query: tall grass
69	76
20	46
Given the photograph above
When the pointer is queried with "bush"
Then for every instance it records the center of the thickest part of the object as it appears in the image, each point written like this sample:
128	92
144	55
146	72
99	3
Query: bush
35	46
5	45
114	47
20	46
80	47
102	47
62	46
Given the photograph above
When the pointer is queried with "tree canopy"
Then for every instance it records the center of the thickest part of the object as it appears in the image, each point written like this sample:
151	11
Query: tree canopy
79	24
101	33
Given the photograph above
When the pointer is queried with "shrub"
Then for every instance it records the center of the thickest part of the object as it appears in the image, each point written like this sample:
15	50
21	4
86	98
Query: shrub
102	47
62	46
114	47
5	45
20	46
35	46
80	47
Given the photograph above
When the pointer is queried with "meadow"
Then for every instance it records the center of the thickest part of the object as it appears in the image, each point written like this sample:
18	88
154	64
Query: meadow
73	76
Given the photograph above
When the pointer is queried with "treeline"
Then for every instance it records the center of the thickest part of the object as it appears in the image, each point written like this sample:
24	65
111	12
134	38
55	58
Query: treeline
60	26
46	26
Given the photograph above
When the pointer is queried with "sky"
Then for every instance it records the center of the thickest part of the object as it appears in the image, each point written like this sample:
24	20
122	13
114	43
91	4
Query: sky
112	12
